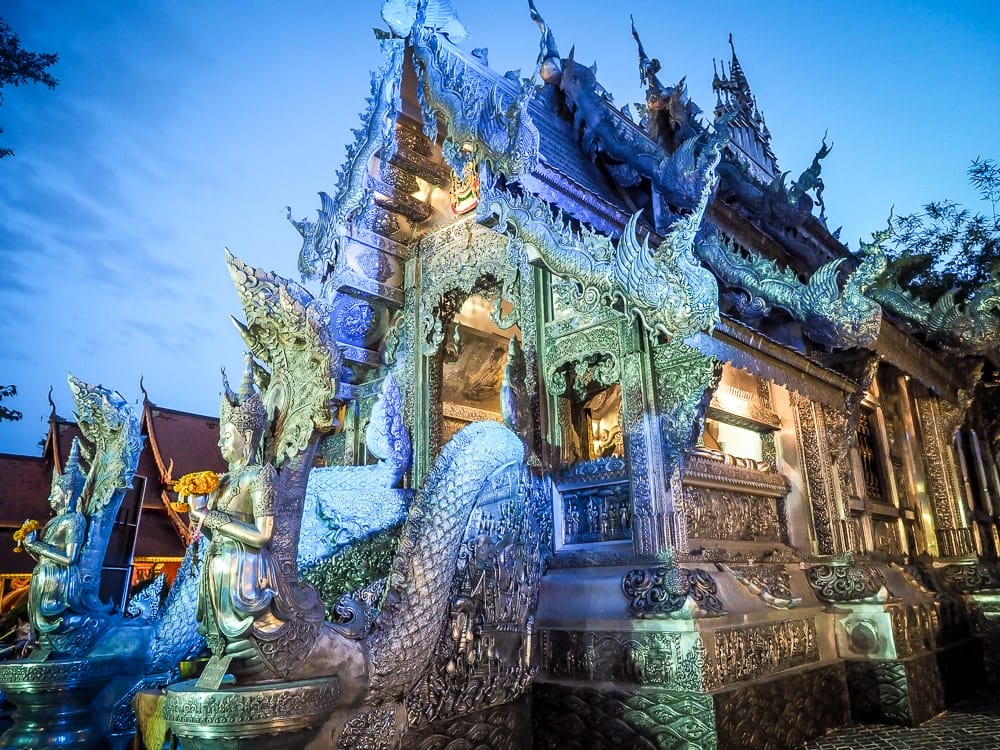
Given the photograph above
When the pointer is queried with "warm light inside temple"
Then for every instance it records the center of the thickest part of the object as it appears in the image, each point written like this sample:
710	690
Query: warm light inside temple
736	441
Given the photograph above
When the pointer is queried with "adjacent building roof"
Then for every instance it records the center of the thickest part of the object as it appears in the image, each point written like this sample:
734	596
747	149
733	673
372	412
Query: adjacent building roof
59	439
176	443
24	493
24	489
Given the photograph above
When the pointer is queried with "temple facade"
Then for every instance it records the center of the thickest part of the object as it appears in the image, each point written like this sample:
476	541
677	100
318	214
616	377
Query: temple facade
774	506
582	430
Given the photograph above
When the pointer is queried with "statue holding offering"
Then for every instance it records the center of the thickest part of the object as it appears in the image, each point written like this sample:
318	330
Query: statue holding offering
55	594
244	603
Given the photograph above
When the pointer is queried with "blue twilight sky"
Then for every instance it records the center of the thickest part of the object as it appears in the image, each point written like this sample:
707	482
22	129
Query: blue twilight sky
183	127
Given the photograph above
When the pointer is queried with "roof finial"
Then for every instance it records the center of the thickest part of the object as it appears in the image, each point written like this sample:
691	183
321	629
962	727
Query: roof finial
549	64
648	67
736	72
733	96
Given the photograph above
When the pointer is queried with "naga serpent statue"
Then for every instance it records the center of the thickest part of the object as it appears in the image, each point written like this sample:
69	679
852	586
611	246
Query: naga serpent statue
836	315
971	324
64	607
87	646
265	624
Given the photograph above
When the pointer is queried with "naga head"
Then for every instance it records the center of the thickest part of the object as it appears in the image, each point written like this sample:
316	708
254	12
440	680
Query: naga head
873	261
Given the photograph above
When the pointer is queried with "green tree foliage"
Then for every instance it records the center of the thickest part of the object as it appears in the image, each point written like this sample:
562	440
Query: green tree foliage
946	246
6	413
18	66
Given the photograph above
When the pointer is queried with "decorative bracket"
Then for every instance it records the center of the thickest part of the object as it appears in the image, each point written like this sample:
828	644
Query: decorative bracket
670	592
842	581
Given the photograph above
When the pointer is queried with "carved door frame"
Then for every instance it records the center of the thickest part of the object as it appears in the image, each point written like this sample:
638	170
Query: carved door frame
446	269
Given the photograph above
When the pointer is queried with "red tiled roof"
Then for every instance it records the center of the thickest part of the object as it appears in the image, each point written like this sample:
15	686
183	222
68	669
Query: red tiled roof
147	468
182	442
25	482
24	489
179	443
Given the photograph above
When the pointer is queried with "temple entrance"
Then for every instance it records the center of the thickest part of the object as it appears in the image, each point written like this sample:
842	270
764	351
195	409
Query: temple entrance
472	370
594	421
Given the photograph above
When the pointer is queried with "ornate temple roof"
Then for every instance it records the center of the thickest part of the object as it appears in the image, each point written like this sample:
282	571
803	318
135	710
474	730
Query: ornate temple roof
748	131
556	136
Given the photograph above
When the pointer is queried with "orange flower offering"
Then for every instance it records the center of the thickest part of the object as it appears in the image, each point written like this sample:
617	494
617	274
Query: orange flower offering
26	528
196	483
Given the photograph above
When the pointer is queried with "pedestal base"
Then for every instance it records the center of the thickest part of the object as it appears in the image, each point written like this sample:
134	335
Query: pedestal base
784	710
54	702
961	666
575	716
991	659
256	717
895	691
504	726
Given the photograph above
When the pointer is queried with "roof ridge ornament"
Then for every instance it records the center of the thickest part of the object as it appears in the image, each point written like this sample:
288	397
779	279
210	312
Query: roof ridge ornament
679	176
733	95
52	406
648	68
438	16
549	64
671	118
835	316
486	125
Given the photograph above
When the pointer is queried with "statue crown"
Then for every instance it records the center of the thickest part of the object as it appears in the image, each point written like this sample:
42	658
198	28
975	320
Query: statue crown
72	478
245	409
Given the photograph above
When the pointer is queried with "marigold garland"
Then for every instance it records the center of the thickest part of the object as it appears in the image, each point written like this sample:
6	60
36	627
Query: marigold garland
26	528
195	483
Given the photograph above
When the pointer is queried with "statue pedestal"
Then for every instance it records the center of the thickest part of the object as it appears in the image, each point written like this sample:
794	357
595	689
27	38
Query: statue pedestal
892	673
55	702
257	717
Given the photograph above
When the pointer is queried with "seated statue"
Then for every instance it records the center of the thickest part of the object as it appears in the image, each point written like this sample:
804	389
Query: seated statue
245	605
55	594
